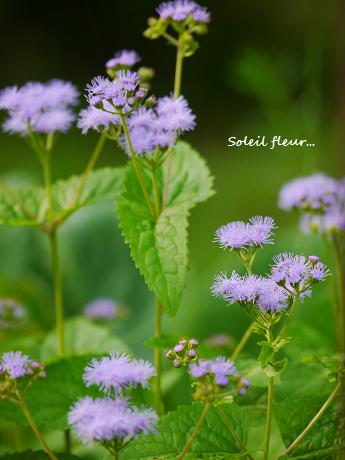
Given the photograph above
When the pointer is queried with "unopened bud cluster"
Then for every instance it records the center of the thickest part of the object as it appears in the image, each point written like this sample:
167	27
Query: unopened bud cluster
183	353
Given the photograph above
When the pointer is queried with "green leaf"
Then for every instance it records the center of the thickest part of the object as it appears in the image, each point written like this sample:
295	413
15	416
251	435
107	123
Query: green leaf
82	336
101	185
164	341
301	394
274	369
38	455
50	399
159	247
213	441
266	354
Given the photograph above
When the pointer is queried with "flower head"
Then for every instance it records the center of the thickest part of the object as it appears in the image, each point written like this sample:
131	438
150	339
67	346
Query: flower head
15	365
123	58
179	10
241	235
174	114
11	312
105	419
39	107
101	309
117	372
97	119
220	368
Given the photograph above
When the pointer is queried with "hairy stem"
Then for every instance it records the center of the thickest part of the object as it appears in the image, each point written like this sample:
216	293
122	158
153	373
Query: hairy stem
314	420
59	311
90	165
232	430
34	427
269	411
136	165
195	432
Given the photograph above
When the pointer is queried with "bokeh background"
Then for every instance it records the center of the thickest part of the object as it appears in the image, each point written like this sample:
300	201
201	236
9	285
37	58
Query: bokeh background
265	68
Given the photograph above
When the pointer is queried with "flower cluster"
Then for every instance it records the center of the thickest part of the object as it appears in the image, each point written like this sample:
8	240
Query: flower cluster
183	353
291	276
112	420
320	198
123	59
242	235
106	419
185	17
180	10
104	309
11	313
211	375
158	127
39	107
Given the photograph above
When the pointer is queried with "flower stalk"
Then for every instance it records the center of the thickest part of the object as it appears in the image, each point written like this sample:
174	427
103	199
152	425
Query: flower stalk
195	431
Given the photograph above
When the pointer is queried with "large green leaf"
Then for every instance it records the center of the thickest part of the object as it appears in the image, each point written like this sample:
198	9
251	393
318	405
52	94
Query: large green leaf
303	391
159	247
38	455
213	441
101	185
50	399
82	336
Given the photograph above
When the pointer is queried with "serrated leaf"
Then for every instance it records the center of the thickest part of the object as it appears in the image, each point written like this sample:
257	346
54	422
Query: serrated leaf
101	185
164	341
159	247
38	455
213	441
50	399
82	336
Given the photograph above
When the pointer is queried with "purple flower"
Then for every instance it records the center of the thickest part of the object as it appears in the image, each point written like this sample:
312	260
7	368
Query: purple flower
192	353
312	192
11	313
116	372
40	107
178	348
193	342
15	364
263	293
105	419
319	272
290	268
101	309
174	114
220	367
92	118
179	10
240	235
125	58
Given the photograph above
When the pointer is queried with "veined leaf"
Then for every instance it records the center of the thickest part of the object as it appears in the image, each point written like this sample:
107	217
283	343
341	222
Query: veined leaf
159	247
28	207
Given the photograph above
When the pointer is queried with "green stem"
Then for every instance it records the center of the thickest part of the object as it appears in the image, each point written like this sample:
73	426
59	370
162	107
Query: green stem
34	427
232	430
241	344
158	359
269	407
89	167
195	432
155	193
288	320
341	292
47	179
314	420
59	311
136	165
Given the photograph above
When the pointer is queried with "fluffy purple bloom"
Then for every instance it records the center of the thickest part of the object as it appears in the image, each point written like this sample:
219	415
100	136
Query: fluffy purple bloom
240	235
107	419
174	114
125	58
117	372
92	118
290	268
192	353
255	290
332	220
101	309
319	272
179	10
312	192
220	367
146	140
41	107
11	312
178	348
15	364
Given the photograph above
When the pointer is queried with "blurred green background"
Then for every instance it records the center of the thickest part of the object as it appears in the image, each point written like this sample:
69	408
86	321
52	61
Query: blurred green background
265	68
